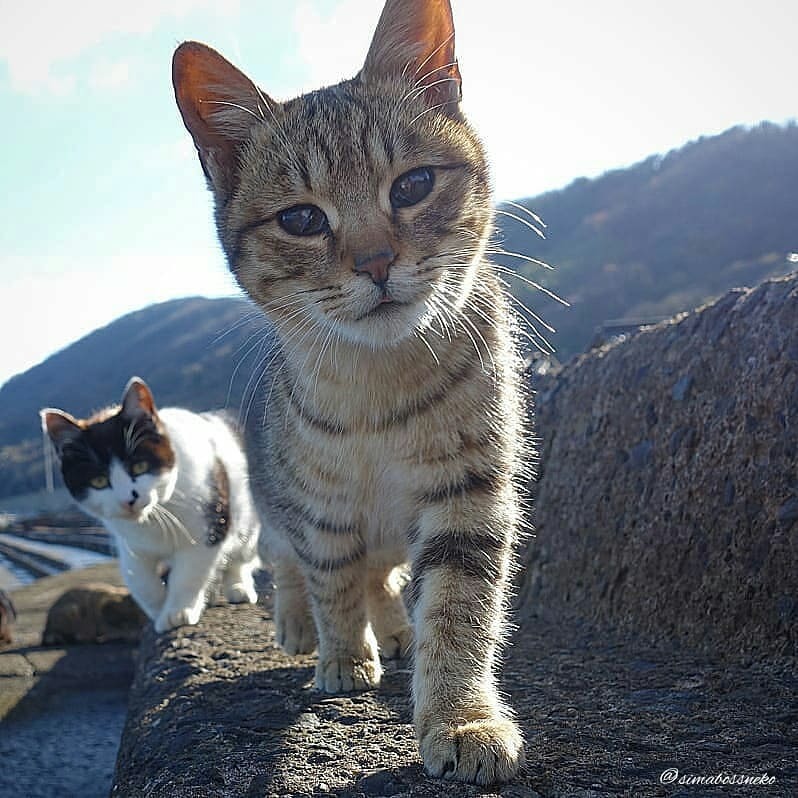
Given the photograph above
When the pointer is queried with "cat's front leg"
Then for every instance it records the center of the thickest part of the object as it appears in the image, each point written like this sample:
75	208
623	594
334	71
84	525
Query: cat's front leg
461	557
142	578
189	580
293	620
348	654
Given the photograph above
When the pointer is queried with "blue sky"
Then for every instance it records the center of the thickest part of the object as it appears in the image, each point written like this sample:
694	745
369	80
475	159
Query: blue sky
104	208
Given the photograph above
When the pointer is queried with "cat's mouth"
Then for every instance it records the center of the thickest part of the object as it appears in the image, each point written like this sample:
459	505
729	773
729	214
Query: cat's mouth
386	306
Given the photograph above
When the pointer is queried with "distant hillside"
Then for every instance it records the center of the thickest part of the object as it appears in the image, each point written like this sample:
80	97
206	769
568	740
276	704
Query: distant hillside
662	236
186	349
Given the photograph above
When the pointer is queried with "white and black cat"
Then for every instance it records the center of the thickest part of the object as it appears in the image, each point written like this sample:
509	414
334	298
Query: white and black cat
173	488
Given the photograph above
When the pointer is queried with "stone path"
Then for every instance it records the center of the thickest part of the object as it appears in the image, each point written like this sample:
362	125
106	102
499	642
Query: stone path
61	709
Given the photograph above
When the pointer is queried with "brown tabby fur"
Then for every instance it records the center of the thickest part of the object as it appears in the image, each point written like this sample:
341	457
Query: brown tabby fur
378	431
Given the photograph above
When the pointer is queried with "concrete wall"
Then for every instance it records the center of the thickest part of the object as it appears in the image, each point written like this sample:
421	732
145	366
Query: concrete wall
668	496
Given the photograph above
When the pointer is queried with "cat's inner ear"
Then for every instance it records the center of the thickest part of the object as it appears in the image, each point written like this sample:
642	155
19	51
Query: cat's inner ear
137	399
60	426
219	106
414	40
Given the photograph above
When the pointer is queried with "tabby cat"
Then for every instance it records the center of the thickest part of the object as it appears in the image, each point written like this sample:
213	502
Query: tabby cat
388	423
172	487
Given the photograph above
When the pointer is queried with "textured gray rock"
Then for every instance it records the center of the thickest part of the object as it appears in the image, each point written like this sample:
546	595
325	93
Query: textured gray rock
668	498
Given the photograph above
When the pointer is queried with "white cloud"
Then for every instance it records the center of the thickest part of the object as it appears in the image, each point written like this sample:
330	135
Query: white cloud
39	40
106	75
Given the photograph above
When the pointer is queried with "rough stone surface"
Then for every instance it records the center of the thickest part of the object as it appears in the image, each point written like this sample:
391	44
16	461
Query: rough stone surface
668	497
218	711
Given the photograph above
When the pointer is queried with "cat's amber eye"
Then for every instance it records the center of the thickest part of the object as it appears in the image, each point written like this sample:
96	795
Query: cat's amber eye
303	220
140	467
411	187
99	482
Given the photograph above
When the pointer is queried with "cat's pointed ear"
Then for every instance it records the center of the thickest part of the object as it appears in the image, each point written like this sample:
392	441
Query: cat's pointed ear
60	426
137	399
415	40
219	104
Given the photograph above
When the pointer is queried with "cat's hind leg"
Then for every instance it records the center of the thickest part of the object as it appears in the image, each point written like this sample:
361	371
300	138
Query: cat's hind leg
387	611
293	620
238	583
348	652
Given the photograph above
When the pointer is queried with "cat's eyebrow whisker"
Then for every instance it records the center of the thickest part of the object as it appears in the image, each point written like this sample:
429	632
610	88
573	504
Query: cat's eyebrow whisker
295	161
418	88
419	91
428	110
238	106
443	44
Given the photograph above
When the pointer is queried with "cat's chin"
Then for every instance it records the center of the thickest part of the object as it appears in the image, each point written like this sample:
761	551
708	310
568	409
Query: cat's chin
386	325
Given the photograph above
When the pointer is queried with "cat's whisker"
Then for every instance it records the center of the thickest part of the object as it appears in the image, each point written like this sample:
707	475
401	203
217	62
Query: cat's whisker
495	250
467	323
301	370
535	218
178	524
257	345
247	317
521	221
420	335
306	325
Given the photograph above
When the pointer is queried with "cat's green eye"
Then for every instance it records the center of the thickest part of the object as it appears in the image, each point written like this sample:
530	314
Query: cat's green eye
411	187
303	220
98	483
139	468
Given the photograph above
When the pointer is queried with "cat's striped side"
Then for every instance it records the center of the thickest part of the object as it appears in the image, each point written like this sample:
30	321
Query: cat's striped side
387	424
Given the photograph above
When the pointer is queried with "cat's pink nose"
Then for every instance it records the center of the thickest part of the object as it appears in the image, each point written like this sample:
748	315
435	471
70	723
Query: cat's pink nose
376	265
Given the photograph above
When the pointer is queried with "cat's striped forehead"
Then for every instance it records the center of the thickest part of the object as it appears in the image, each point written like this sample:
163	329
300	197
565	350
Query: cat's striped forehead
346	140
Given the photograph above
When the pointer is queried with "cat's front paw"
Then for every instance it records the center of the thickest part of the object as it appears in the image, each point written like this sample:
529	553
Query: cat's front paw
171	619
346	674
482	751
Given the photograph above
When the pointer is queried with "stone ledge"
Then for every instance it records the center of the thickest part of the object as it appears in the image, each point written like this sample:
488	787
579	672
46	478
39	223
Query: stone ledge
218	711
